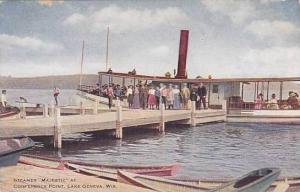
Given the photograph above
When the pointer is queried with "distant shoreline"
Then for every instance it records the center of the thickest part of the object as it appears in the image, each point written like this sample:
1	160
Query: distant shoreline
46	82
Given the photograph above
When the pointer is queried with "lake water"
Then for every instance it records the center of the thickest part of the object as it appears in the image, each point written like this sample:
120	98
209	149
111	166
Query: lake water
210	151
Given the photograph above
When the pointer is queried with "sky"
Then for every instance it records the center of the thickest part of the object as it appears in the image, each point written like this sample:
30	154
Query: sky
232	38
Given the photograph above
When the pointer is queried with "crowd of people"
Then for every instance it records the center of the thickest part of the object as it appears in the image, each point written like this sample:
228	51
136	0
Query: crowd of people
150	96
293	102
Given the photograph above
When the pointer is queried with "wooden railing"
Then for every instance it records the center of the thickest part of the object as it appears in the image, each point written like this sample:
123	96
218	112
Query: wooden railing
87	88
242	105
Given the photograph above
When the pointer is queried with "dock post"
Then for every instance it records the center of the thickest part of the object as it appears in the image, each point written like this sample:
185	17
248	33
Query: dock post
224	105
82	110
162	118
193	112
22	112
119	128
95	111
45	110
52	110
57	129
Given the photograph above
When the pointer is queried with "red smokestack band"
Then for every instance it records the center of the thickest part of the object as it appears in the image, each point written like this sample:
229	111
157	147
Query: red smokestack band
183	47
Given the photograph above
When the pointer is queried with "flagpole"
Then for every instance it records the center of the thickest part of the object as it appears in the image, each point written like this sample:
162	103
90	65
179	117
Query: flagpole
107	48
81	64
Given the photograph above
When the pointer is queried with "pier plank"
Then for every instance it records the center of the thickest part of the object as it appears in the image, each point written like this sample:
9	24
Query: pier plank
44	126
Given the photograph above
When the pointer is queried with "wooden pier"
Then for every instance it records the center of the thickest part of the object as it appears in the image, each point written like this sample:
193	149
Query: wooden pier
57	125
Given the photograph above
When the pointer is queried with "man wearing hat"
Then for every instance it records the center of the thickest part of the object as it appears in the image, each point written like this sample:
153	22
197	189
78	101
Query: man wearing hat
202	94
185	94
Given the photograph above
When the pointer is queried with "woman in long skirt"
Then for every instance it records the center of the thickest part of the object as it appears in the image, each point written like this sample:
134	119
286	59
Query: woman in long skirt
170	97
176	93
151	98
136	99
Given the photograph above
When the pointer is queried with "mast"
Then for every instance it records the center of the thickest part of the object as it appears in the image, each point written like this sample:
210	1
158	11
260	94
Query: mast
81	65
107	48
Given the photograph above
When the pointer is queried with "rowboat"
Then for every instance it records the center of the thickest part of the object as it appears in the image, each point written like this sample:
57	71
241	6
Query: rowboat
12	148
100	169
157	183
292	182
258	181
42	163
9	112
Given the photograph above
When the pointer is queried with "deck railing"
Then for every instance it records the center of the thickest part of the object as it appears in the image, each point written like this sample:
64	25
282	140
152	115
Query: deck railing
88	88
242	105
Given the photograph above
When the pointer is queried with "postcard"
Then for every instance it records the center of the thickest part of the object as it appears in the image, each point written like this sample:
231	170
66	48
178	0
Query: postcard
137	96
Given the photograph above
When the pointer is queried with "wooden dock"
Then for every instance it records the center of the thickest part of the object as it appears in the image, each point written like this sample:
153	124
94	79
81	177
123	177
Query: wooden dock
58	125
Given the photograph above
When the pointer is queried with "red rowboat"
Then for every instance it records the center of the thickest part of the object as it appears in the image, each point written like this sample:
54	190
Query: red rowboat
96	168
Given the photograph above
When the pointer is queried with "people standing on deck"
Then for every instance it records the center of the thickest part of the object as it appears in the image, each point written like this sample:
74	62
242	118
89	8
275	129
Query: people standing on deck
293	100
151	98
136	98
273	104
164	93
193	95
170	97
157	97
202	96
110	95
146	96
129	95
258	101
118	92
185	94
143	96
177	99
55	94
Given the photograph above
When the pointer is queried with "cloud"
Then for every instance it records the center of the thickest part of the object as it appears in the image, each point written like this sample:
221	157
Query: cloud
160	51
282	61
119	19
265	28
75	19
271	1
49	3
11	42
237	11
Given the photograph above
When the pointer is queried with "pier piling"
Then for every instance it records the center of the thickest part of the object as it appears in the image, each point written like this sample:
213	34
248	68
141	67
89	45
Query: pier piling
45	110
193	113
224	105
51	112
162	118
95	109
57	129
22	112
119	128
82	110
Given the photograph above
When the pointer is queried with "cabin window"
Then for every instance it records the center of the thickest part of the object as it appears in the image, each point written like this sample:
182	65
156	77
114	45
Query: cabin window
215	89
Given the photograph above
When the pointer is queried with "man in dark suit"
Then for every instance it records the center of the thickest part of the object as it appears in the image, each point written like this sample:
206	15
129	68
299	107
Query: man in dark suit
202	95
